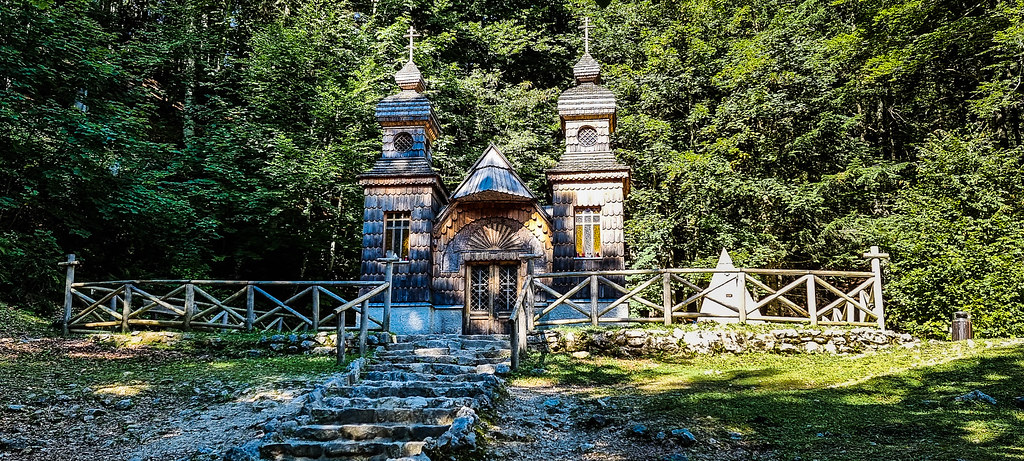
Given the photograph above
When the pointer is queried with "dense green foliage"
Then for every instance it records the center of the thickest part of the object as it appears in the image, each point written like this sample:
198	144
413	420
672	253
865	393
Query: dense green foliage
221	139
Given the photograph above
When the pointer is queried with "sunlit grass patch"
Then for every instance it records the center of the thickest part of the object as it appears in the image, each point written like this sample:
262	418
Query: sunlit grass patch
896	404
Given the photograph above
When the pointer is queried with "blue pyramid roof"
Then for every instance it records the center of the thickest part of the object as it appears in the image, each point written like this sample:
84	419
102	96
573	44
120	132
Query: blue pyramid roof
493	178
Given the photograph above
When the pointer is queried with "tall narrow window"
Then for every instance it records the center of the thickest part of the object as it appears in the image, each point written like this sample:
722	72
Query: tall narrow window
588	232
396	233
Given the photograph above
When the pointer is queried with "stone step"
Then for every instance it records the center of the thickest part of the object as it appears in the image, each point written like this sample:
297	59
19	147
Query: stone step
417	351
395	402
438	352
300	450
451	343
409	338
371	415
464	360
486	344
357	432
408	389
410	376
434	368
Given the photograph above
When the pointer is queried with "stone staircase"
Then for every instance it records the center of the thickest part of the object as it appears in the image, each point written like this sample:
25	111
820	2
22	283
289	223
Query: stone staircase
418	390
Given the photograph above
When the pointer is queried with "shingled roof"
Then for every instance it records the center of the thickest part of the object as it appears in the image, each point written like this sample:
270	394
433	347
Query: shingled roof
493	178
587	161
405	106
400	167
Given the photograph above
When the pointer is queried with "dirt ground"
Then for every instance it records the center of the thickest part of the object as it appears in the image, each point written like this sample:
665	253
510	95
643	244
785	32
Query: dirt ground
51	417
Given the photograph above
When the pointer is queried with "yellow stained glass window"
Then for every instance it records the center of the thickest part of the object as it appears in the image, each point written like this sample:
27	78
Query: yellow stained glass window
588	232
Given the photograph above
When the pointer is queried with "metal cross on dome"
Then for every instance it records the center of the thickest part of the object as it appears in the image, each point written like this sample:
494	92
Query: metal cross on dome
411	35
586	34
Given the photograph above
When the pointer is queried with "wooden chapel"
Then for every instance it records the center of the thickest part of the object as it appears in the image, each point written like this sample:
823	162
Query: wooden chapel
465	249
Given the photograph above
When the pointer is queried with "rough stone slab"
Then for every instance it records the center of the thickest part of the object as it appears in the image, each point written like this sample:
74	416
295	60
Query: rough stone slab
410	376
438	368
415	389
357	432
485	344
384	415
395	402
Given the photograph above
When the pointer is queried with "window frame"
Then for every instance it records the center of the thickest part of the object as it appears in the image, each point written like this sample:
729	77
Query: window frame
587	232
397	224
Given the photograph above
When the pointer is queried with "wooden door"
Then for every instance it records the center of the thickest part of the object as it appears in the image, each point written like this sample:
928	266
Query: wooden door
493	289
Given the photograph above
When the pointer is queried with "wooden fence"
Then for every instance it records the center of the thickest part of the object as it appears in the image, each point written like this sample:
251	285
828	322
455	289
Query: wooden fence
227	305
676	295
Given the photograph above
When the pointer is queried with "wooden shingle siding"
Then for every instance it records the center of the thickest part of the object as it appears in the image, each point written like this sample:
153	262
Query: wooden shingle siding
567	195
526	219
422	200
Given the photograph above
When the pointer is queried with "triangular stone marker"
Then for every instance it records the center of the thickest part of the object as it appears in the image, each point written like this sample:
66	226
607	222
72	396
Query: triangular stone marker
725	295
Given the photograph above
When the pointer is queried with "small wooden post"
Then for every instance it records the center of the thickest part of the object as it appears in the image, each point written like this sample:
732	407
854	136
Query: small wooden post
250	307
68	297
126	308
190	306
514	340
316	307
530	300
741	280
666	297
812	299
522	332
593	300
364	326
389	278
876	258
340	341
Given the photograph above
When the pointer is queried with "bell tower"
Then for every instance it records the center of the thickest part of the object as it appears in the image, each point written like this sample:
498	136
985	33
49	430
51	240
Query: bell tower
588	185
403	195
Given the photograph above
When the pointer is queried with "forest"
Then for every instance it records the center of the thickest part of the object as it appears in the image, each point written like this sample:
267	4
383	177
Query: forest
222	138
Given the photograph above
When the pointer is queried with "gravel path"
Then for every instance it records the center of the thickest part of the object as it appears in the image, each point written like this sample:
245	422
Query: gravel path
567	424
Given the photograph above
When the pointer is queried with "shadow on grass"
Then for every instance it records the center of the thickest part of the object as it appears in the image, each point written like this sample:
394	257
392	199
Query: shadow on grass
52	365
903	415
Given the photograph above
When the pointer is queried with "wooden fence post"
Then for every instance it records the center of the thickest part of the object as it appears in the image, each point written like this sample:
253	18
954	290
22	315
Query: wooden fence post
666	297
190	306
316	307
68	298
521	339
876	286
340	341
812	299
250	307
593	300
741	280
530	300
364	326
126	308
514	339
389	278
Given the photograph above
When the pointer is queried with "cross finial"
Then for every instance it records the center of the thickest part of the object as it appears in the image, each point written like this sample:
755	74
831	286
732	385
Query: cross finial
411	35
586	34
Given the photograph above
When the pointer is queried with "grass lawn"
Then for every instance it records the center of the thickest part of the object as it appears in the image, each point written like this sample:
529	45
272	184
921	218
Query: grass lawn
893	405
34	360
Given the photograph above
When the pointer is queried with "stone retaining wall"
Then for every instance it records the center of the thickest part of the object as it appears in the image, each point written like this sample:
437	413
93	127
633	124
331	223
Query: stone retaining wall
636	342
321	343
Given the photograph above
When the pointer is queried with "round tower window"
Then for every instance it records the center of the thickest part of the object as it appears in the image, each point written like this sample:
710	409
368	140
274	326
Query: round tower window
587	136
403	142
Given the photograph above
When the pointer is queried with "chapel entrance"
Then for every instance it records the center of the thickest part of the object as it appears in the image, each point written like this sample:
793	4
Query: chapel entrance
493	288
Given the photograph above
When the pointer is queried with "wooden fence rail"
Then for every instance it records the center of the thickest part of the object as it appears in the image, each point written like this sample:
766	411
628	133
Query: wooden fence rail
673	295
221	304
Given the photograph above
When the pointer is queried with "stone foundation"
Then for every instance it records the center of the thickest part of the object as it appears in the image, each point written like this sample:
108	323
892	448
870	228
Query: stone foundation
637	342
